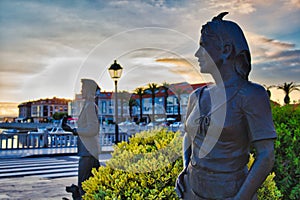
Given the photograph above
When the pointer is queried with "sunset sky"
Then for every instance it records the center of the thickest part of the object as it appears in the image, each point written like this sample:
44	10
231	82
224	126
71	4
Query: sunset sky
48	46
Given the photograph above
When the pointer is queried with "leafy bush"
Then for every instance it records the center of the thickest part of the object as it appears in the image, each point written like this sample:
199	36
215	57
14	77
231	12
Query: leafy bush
287	166
268	190
146	168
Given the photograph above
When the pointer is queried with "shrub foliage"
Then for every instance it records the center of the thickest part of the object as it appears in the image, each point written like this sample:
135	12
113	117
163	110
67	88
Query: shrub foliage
287	165
268	190
146	168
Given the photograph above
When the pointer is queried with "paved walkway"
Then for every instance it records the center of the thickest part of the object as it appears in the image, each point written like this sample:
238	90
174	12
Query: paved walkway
34	187
38	188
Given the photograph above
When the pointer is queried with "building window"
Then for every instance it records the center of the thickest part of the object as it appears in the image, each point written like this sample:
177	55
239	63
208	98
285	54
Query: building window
103	107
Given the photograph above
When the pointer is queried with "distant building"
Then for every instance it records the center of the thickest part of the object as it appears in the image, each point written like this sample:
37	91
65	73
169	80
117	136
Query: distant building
42	110
177	99
25	110
106	103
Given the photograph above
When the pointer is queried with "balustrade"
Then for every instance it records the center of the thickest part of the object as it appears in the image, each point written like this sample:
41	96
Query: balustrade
44	140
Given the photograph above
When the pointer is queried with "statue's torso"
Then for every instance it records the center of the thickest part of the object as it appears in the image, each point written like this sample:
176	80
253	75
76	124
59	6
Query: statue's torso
231	148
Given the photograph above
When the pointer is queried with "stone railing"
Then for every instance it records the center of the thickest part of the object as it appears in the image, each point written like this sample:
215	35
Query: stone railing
37	140
44	140
25	126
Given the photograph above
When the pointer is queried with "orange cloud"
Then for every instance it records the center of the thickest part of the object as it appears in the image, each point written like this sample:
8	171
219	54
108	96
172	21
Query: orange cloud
187	68
175	61
293	3
8	109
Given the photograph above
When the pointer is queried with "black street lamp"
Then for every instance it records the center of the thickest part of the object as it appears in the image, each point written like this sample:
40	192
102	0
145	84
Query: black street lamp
115	72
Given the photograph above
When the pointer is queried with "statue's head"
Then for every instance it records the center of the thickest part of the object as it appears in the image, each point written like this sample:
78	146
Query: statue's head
223	34
89	88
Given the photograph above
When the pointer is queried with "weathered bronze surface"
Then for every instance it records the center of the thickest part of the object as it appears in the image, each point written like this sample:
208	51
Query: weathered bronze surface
224	119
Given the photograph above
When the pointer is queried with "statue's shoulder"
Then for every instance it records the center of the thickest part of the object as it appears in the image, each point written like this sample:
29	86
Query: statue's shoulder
196	94
253	89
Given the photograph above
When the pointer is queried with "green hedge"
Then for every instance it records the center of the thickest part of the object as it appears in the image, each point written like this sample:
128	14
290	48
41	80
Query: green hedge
287	165
268	190
146	168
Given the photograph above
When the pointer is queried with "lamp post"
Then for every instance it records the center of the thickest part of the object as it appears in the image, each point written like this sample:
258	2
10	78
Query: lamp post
115	72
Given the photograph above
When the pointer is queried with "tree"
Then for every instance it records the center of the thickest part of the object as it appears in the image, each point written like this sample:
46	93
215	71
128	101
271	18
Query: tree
288	88
140	92
59	115
153	87
268	89
178	92
165	86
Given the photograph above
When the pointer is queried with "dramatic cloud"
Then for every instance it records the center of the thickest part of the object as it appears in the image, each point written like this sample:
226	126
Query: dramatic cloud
186	67
273	61
47	46
263	47
293	3
244	7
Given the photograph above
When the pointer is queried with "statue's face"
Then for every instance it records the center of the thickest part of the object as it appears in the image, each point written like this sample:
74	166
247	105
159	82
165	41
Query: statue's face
84	91
209	54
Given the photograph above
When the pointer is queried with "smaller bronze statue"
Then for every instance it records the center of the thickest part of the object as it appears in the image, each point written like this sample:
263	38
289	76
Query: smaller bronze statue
220	172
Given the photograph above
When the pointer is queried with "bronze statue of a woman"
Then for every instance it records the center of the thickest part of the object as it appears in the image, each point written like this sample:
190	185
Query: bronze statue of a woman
218	170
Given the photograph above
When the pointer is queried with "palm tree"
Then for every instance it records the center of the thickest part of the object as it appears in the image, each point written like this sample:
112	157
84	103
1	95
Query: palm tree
288	88
268	89
178	92
153	87
165	86
140	92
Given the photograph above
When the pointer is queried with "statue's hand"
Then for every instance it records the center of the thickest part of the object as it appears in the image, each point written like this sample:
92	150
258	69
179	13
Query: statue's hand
65	126
179	185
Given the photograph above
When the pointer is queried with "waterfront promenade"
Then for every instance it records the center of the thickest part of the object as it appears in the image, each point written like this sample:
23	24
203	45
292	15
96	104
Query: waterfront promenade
35	187
20	164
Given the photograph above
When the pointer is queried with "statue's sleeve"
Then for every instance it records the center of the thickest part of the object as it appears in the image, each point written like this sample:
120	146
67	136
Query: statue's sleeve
191	103
258	114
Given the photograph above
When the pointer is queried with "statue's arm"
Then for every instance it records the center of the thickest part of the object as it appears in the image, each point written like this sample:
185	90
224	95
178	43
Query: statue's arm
186	144
186	150
262	134
260	169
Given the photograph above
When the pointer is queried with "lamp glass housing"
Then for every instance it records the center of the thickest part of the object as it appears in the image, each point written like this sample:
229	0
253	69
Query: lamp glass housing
115	71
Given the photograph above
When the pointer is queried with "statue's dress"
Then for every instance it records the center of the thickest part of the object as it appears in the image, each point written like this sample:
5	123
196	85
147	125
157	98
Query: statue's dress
219	173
